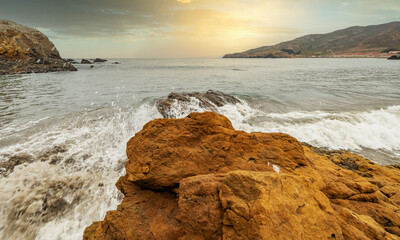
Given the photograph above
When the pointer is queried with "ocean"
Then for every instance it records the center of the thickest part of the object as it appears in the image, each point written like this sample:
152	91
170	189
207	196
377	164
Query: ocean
66	132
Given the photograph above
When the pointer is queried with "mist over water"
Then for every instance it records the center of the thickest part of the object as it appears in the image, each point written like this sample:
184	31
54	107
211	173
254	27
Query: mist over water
63	135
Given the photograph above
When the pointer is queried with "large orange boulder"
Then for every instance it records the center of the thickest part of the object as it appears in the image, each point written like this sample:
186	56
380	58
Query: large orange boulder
169	150
198	178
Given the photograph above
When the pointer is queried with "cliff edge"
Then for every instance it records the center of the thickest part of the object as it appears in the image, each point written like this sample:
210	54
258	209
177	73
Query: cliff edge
26	50
198	178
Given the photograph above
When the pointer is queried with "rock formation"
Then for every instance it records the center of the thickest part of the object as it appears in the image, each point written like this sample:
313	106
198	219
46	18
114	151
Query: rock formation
198	178
179	103
26	50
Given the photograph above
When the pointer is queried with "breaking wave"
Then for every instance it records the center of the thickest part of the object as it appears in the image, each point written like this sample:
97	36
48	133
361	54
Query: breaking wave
59	180
377	130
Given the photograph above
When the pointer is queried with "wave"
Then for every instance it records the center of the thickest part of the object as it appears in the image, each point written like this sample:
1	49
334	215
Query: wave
355	131
62	178
74	161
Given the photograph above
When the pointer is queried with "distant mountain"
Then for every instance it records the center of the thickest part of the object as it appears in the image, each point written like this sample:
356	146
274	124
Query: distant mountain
354	40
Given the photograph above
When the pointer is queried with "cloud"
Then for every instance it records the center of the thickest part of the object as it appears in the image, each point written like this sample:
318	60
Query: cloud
234	23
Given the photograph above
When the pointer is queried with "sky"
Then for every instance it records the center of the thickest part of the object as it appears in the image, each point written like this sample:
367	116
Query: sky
187	28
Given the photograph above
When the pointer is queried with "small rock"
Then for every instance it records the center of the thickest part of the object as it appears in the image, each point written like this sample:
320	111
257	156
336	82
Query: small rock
99	60
179	103
85	61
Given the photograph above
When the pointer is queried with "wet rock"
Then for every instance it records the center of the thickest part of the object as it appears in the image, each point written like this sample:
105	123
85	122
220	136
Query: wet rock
115	63
99	60
26	50
70	60
91	66
199	178
85	61
178	103
394	57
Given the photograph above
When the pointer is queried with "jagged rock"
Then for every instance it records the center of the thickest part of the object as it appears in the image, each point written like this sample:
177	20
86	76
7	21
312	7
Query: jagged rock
198	178
85	61
180	103
394	57
99	60
26	50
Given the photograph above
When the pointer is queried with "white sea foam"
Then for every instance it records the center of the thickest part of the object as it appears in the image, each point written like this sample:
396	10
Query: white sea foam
375	129
71	183
79	159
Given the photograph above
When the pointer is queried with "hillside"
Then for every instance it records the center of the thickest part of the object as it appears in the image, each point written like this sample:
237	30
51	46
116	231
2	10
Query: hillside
356	40
27	50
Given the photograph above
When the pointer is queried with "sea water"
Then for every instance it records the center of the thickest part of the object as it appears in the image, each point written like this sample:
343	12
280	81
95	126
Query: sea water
67	132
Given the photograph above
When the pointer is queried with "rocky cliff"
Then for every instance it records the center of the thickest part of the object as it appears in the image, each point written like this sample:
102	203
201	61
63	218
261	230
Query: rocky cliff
198	178
359	40
26	50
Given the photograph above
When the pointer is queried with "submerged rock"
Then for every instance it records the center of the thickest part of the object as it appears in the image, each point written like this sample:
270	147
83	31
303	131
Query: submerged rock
26	50
179	103
199	178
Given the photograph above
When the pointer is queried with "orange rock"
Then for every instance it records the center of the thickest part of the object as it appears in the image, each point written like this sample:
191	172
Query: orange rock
169	150
143	214
198	178
275	206
200	210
